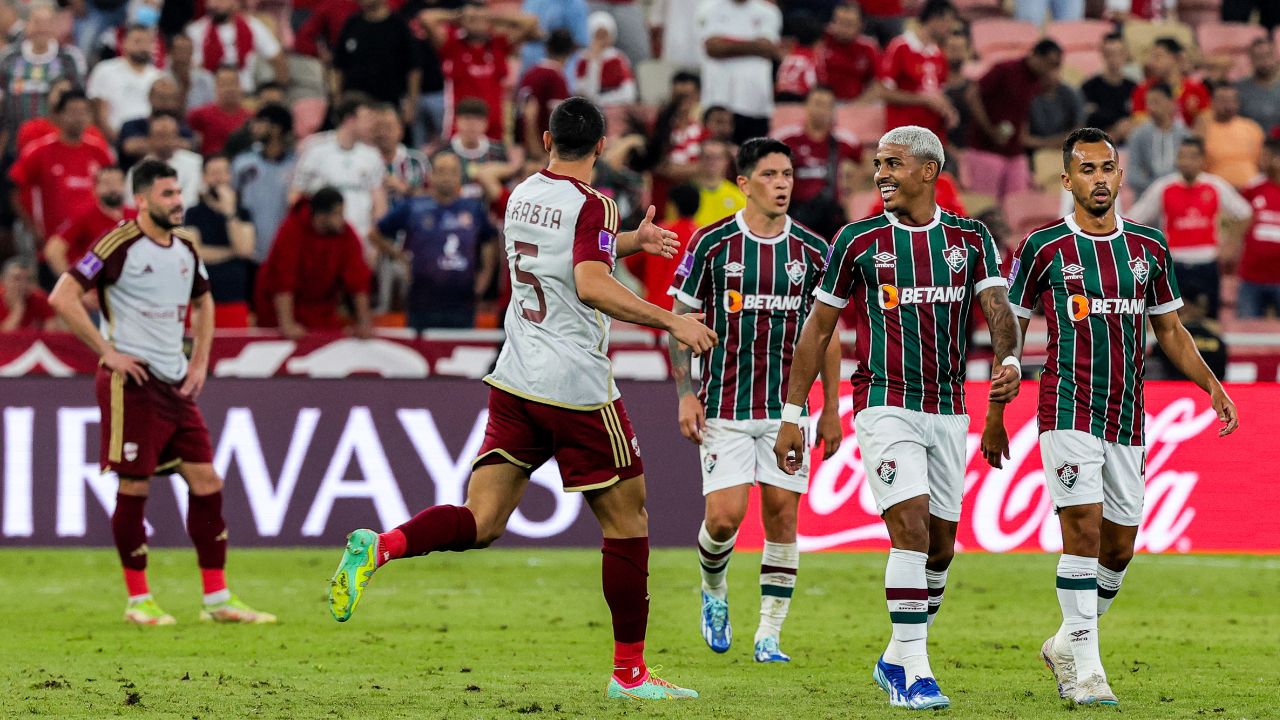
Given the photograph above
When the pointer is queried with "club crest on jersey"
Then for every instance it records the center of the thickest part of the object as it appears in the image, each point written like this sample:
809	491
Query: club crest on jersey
1141	268
734	269
709	462
955	256
89	266
795	271
635	445
686	265
887	471
884	259
1072	272
130	451
1067	474
607	241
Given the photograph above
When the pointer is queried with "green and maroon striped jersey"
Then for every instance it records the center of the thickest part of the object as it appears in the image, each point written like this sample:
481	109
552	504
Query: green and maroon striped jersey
756	293
1095	291
911	289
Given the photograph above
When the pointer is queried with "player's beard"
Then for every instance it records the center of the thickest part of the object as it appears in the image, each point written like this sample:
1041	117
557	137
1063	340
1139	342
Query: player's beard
162	220
1094	208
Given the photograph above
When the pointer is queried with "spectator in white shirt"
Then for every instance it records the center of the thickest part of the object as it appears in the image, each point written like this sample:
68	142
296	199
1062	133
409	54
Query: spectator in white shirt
119	87
740	39
238	39
164	143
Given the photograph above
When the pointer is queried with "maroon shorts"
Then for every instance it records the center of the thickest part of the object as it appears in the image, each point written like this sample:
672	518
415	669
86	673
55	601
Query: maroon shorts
594	448
148	429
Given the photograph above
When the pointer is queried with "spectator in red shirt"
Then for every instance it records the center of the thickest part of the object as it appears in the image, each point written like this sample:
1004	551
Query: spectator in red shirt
913	70
316	256
1164	64
798	72
885	19
657	271
1260	257
541	89
324	24
59	170
818	150
847	58
71	240
225	115
474	46
23	306
1000	104
602	73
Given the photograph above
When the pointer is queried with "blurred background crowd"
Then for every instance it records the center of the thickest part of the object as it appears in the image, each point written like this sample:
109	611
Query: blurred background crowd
346	163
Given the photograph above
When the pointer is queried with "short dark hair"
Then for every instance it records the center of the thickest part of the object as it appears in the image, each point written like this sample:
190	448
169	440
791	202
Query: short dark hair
1084	135
560	43
714	108
1112	37
161	115
325	199
1193	141
1272	144
147	172
216	156
137	27
1214	87
685	76
276	114
1047	46
754	149
226	67
349	105
107	169
472	107
68	97
1160	87
936	8
686	198
576	127
806	27
1170	44
269	85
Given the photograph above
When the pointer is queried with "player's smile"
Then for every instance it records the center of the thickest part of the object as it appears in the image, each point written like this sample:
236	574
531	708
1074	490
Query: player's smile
888	189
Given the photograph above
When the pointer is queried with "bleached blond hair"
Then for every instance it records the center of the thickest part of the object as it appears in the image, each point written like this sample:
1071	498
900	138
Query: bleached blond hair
920	141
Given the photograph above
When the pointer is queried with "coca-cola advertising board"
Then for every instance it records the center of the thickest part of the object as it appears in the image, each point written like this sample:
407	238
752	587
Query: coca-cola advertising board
307	460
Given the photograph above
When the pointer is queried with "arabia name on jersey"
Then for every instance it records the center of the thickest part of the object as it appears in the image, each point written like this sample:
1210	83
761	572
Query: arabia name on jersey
911	289
1095	291
756	293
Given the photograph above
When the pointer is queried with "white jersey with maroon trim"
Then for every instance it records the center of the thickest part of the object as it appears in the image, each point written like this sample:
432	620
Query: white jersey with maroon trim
556	348
144	289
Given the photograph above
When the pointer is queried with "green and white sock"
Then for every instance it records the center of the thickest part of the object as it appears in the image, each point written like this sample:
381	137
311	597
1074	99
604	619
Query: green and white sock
1077	584
713	558
778	568
907	594
1108	587
937	582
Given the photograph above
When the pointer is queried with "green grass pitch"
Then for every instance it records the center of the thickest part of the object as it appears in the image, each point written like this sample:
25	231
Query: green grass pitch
507	634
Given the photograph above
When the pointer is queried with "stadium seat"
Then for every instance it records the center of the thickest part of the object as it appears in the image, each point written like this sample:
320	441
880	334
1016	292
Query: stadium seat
1079	34
653	81
997	39
1027	210
1140	35
1199	12
1046	168
865	121
785	115
308	116
1080	65
977	203
972	10
1229	40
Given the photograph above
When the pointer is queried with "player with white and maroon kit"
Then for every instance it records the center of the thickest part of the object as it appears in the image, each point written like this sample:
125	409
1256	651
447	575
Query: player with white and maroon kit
553	394
147	275
1099	278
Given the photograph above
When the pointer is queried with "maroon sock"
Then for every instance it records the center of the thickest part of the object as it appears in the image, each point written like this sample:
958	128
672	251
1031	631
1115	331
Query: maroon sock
443	527
208	533
130	534
625	572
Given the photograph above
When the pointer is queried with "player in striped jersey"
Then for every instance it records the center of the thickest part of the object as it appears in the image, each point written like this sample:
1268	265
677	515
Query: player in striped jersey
1096	276
912	273
753	274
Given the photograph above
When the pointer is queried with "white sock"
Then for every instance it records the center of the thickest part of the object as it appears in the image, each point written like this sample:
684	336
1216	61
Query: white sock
215	598
778	568
907	593
1108	586
937	582
713	556
1078	597
139	598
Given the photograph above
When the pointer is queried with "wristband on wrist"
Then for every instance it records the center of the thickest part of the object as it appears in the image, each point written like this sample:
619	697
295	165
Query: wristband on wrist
1014	363
791	413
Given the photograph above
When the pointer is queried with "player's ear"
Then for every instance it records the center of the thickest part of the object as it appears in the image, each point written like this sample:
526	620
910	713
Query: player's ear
600	147
1066	182
546	141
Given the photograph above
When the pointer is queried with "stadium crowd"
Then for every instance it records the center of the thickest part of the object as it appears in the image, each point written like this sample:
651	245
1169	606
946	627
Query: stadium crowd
347	163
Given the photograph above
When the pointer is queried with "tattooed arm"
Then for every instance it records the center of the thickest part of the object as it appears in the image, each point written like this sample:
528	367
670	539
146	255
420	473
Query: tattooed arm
1006	341
693	416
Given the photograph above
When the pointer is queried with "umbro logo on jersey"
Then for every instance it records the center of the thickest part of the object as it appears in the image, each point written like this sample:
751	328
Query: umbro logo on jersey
1082	307
1140	268
1072	272
795	271
956	256
1067	474
887	471
735	301
147	269
734	269
884	259
891	296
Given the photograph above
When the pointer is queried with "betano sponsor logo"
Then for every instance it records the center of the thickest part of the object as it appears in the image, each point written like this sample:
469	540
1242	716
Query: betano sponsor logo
735	301
1082	307
891	296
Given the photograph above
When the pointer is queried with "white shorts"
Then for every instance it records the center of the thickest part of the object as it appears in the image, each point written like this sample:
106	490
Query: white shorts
909	453
1082	469
740	452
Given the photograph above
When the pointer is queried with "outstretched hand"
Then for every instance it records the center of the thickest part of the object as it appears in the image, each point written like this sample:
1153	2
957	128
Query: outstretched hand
655	240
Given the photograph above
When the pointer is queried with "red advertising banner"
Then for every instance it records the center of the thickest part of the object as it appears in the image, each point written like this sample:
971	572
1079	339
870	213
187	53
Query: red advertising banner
1204	493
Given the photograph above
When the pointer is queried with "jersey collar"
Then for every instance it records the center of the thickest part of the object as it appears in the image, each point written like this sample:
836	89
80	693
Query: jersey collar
746	232
894	221
1070	220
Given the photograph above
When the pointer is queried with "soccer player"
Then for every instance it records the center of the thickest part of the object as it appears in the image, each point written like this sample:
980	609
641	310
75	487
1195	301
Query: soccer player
147	275
1098	278
911	274
754	274
552	394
